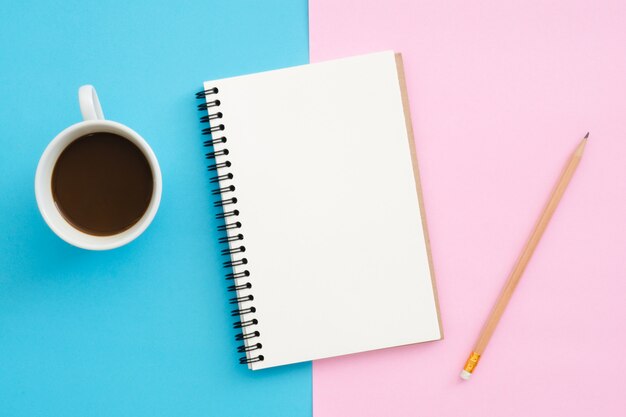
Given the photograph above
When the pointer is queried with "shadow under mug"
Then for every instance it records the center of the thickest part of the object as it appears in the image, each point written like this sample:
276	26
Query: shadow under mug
93	122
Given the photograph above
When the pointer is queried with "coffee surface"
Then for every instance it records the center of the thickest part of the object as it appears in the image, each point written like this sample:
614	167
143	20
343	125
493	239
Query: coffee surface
102	184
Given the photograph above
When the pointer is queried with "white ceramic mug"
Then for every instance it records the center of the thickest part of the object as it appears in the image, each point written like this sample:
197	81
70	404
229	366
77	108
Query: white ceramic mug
93	122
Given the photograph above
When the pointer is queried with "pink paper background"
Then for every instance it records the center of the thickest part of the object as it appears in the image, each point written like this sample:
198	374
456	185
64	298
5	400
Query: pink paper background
501	92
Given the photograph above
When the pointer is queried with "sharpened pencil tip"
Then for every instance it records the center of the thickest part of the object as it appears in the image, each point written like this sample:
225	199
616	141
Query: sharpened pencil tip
586	136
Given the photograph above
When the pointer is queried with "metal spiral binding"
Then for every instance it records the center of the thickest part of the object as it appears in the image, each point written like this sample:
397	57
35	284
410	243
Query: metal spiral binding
243	297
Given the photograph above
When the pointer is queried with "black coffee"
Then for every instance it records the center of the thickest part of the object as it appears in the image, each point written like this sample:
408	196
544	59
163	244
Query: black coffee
102	184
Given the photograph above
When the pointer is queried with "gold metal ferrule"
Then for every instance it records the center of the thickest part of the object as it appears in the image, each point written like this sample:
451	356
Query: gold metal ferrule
471	363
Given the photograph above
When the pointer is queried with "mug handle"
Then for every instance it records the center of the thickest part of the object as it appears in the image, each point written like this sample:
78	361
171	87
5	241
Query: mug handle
89	103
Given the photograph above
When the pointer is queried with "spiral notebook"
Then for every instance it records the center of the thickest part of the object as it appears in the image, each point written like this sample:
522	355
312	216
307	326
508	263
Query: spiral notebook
324	234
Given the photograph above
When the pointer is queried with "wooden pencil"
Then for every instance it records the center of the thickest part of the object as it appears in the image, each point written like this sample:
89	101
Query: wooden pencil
522	261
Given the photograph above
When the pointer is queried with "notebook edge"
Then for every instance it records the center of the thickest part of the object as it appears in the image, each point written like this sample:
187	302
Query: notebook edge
418	184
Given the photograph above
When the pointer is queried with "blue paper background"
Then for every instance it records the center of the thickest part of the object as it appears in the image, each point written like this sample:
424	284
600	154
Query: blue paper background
143	330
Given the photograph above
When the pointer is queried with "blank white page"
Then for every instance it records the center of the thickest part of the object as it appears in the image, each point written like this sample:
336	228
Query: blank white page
328	207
